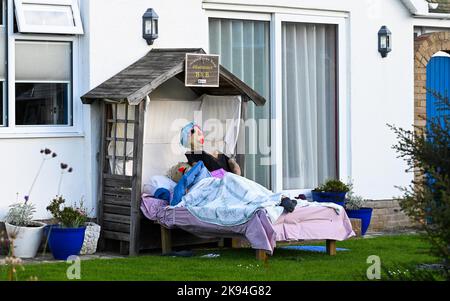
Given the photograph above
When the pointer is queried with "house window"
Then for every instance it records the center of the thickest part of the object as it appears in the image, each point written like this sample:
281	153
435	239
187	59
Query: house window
309	104
48	16
43	83
244	46
2	65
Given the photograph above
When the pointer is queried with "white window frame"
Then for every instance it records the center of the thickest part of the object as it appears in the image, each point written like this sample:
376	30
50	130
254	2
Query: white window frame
25	28
13	131
343	67
4	100
276	16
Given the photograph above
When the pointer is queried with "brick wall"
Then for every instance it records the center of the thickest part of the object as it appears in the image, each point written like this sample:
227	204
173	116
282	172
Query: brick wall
387	217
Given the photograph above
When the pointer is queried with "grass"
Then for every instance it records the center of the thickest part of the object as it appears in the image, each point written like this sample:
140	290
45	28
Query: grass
236	265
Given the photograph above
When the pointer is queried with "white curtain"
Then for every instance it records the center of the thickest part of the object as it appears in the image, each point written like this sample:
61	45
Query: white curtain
244	49
221	120
309	104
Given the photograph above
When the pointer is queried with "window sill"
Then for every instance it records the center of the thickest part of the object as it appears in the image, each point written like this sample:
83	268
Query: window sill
21	135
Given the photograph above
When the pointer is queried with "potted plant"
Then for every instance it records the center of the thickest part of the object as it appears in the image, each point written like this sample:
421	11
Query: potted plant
66	237
332	191
26	233
19	224
354	206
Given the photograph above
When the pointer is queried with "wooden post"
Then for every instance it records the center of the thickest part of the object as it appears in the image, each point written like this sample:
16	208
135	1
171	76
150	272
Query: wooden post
101	162
124	248
137	178
235	243
261	255
331	247
166	240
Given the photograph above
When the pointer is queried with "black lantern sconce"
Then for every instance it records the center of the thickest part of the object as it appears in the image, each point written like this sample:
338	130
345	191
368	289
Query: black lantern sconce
384	41
150	26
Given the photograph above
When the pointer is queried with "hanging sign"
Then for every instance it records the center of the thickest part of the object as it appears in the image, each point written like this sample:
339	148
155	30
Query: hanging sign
202	70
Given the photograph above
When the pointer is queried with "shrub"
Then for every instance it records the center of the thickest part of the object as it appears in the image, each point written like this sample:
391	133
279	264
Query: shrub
68	217
332	186
427	199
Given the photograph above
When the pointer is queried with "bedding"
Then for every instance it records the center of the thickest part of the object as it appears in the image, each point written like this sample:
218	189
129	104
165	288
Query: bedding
188	180
230	201
304	223
258	231
157	182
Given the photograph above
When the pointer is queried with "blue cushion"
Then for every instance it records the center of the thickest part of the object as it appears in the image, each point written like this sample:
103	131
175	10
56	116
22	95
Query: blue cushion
162	194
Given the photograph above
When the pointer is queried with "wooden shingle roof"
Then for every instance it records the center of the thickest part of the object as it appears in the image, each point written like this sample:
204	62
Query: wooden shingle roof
138	80
443	6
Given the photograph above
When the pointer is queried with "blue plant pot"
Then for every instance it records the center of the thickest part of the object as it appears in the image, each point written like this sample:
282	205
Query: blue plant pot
364	214
329	197
64	242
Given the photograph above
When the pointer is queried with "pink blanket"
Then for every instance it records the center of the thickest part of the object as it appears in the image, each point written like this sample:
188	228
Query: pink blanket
305	223
313	223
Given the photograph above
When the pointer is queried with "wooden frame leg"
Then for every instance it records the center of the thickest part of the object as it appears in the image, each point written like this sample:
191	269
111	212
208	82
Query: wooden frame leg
261	255
235	243
124	248
331	247
166	240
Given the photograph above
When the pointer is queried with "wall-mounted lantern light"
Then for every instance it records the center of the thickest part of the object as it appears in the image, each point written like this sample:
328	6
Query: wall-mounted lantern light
150	26
384	41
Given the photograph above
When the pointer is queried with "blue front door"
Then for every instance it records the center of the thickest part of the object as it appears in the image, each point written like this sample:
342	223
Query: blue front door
438	81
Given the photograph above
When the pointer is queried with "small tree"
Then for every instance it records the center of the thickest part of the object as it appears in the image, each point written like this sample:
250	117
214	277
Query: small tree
427	200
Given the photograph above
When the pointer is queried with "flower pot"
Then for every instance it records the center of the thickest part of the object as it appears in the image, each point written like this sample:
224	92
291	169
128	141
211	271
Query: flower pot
91	237
329	197
26	239
364	214
65	242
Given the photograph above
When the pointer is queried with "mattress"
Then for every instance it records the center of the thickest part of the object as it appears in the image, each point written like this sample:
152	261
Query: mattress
304	223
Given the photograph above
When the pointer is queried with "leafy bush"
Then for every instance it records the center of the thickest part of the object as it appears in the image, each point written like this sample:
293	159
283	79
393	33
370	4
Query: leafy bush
68	217
332	186
427	199
21	214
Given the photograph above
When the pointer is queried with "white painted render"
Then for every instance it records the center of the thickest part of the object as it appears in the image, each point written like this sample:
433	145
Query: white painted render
378	91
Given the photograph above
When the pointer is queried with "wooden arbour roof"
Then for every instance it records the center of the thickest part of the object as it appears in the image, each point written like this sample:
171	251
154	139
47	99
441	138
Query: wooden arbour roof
138	80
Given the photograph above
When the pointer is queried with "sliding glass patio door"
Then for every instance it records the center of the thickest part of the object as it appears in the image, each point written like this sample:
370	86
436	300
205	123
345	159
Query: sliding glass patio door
244	46
309	104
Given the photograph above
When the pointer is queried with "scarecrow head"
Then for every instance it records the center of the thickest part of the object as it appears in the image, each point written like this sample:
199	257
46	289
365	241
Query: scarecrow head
192	137
177	171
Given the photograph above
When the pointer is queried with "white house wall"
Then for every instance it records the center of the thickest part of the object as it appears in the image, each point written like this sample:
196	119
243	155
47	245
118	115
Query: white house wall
20	162
380	90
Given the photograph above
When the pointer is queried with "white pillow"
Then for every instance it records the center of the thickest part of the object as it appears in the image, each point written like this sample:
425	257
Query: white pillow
156	182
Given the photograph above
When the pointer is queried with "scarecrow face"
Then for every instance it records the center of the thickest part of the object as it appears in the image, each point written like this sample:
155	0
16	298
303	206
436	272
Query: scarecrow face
191	137
197	138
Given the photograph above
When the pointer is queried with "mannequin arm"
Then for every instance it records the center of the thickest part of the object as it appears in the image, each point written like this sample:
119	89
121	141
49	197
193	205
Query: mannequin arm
234	166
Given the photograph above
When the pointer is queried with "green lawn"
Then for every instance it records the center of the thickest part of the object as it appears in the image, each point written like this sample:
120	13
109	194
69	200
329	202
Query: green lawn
242	265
